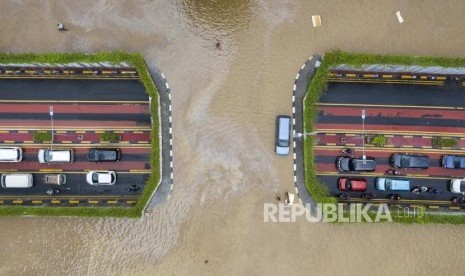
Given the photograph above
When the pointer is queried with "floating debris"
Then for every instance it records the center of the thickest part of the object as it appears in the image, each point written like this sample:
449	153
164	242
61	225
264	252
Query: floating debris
399	17
316	19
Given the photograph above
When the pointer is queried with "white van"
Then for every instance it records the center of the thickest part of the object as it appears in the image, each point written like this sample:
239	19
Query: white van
11	154
56	156
16	180
283	134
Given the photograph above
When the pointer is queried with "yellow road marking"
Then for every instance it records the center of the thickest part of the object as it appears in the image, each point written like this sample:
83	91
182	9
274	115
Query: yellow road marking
23	131
37	202
51	170
427	147
350	134
67	142
387	76
351	145
9	142
131	201
427	137
74	201
86	142
389	136
454	208
19	201
329	134
139	171
330	144
407	146
60	131
433	207
80	131
93	201
112	201
389	146
397	132
408	136
55	201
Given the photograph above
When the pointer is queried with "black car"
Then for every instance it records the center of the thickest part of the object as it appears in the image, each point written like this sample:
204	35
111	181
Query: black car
409	161
453	162
355	164
104	155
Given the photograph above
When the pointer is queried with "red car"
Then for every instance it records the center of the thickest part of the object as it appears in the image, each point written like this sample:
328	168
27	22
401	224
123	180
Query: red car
352	184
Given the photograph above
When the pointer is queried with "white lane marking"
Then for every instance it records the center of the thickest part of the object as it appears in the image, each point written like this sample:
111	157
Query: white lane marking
297	77
163	75
167	86
294	87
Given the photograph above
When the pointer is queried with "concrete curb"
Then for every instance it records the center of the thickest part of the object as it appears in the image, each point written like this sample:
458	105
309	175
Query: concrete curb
301	83
165	187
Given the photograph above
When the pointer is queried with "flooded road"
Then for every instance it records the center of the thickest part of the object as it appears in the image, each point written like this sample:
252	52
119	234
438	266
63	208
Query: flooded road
224	106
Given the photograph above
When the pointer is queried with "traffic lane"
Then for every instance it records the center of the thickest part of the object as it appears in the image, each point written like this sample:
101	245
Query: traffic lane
441	184
64	117
382	156
72	90
79	166
426	122
396	111
393	94
58	108
126	184
76	184
381	169
80	153
72	124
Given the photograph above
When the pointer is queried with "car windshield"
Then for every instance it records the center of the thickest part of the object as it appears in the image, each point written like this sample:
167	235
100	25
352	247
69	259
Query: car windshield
47	155
95	177
283	142
405	161
348	184
459	162
387	184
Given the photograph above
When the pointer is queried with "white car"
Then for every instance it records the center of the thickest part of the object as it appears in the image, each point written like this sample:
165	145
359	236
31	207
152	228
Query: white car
101	178
11	154
457	186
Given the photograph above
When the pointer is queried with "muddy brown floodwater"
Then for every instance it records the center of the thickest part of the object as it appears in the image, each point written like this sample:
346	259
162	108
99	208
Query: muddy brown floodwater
224	105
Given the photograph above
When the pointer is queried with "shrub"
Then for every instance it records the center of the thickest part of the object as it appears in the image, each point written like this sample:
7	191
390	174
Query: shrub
379	140
444	142
108	136
42	136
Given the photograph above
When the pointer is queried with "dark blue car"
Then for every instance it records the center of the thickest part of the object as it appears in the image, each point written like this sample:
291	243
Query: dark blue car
453	162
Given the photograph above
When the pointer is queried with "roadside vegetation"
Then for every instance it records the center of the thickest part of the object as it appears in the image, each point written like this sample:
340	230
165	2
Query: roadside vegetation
109	136
42	136
134	59
444	142
379	140
318	85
